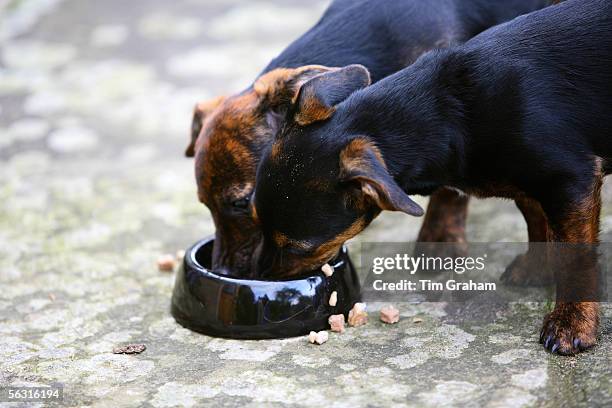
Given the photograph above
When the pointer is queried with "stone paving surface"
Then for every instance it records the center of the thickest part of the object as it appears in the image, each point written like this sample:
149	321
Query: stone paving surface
95	101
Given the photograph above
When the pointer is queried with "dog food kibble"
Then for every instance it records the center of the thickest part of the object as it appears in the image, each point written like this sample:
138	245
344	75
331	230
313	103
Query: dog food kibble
328	270
321	337
165	263
130	349
333	299
389	314
336	322
358	316
417	320
318	338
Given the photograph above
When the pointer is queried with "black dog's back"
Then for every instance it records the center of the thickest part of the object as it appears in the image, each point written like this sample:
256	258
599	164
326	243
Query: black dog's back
382	40
559	60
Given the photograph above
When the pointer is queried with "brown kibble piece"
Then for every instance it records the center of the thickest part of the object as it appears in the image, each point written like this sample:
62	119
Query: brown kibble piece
130	349
165	263
389	314
321	337
318	338
336	322
333	299
328	270
358	316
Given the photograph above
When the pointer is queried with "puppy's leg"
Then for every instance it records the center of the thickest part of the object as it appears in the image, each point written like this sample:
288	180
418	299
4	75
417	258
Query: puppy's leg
572	326
445	222
531	268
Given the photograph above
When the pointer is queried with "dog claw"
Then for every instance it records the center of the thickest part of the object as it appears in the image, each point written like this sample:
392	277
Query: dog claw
548	339
555	346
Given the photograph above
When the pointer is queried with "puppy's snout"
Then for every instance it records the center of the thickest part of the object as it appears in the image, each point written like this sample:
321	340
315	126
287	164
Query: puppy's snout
263	260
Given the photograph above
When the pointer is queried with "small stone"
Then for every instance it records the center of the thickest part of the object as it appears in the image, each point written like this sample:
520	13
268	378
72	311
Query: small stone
180	255
333	299
417	320
358	315
52	297
312	337
165	263
328	270
389	314
336	322
130	349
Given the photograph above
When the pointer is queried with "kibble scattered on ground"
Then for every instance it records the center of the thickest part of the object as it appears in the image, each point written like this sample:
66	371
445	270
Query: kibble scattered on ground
130	349
166	263
336	322
358	315
389	314
318	338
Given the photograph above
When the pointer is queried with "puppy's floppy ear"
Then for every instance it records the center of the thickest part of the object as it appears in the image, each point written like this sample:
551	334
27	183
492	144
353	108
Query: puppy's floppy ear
201	110
317	98
361	163
280	86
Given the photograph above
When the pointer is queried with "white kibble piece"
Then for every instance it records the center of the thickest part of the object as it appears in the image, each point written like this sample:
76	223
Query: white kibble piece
359	307
165	263
358	315
333	299
389	314
328	270
336	322
312	337
321	337
417	320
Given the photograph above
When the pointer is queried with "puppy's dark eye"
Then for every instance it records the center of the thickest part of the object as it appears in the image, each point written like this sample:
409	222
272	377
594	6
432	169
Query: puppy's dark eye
241	204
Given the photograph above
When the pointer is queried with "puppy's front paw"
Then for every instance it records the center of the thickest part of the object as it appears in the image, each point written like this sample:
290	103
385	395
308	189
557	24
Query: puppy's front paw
569	329
527	270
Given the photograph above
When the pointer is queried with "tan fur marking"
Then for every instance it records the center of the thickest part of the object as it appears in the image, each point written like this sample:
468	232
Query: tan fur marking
285	82
276	150
201	111
280	239
311	110
351	157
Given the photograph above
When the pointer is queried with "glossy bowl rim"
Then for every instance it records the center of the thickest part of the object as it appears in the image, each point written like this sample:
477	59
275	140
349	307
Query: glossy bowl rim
189	307
190	261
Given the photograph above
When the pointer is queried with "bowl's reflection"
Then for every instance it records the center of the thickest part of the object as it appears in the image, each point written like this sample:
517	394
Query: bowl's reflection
224	306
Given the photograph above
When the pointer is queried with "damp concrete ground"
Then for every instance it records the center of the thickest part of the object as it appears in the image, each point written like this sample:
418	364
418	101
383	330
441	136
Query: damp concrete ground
95	102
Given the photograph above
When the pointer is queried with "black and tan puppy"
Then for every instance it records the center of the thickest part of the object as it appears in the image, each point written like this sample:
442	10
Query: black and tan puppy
229	134
523	110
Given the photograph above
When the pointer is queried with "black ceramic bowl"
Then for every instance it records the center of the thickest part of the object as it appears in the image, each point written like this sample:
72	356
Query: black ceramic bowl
225	306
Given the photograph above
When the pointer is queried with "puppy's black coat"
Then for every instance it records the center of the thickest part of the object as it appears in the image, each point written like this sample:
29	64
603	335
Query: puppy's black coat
383	34
231	133
523	110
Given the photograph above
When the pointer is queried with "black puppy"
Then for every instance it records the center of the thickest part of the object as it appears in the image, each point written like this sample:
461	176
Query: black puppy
522	110
229	134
